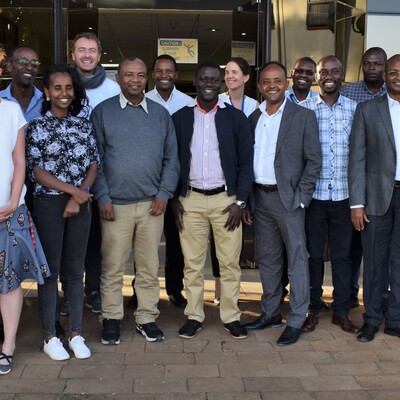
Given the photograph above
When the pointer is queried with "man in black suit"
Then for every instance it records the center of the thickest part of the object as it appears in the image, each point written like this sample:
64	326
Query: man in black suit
374	184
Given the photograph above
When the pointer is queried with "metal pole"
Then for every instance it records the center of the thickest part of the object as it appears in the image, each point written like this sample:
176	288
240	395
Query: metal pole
267	30
58	32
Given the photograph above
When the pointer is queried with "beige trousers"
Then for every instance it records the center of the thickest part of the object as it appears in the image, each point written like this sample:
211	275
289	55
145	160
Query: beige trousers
135	228
202	213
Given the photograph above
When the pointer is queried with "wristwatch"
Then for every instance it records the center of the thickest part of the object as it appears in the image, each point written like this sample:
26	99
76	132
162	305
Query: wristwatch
241	204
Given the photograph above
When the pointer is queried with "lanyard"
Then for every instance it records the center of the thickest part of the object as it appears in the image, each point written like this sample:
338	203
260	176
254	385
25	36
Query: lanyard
242	108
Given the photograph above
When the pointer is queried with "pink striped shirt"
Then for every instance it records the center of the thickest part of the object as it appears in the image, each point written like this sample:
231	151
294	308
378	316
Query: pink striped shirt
205	163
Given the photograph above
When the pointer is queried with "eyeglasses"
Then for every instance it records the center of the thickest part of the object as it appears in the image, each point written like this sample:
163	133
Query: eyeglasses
393	74
303	71
24	61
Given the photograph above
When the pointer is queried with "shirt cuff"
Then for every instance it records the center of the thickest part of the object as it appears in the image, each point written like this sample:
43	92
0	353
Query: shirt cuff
358	206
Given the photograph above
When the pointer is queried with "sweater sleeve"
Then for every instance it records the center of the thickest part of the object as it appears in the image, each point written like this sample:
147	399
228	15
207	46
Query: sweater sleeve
100	188
170	171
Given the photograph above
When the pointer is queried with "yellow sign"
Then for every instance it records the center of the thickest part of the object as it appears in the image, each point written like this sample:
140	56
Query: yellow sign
183	50
246	50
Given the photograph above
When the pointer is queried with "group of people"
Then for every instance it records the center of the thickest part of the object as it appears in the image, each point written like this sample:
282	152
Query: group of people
110	168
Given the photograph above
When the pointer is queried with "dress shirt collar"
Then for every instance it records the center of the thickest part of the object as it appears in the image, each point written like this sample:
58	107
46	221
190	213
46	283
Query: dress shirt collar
321	100
263	107
219	104
392	102
170	98
123	102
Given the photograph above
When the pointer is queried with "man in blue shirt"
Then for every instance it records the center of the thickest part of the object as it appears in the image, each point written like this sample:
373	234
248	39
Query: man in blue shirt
303	76
328	215
23	65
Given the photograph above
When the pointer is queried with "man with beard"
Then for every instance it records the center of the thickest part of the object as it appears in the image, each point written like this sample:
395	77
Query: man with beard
328	215
165	74
373	85
86	53
303	76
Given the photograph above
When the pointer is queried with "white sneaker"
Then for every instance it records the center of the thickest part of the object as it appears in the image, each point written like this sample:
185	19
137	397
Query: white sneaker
55	349
78	346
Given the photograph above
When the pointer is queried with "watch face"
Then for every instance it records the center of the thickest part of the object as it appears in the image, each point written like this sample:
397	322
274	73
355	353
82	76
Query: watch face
241	204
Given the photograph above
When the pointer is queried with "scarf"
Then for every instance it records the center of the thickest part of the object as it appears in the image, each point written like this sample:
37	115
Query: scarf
94	81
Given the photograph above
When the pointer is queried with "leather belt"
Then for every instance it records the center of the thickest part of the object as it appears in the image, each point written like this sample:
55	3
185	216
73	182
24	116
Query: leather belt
397	184
208	192
266	188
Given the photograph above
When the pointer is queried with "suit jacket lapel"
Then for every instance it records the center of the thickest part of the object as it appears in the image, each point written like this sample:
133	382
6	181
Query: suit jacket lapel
286	120
383	109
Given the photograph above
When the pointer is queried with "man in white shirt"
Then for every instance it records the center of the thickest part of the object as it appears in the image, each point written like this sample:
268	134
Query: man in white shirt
165	74
287	162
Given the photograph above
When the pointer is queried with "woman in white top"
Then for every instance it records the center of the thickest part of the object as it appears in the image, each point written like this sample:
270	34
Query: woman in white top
21	255
237	73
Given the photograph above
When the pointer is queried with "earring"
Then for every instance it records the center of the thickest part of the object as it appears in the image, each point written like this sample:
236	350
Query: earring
47	98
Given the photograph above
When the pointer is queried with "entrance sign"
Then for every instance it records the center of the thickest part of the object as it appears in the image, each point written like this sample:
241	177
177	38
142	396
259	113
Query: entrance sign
184	51
246	50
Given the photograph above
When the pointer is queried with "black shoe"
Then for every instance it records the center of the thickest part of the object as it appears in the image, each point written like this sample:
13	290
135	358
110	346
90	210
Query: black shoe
367	333
110	331
392	331
236	330
189	329
289	336
60	332
132	302
354	303
150	331
324	306
263	322
177	299
93	301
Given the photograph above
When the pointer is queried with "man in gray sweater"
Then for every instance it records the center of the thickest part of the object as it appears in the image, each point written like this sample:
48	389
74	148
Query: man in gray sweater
139	173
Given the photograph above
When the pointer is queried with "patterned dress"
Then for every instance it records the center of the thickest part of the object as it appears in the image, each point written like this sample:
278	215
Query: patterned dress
21	254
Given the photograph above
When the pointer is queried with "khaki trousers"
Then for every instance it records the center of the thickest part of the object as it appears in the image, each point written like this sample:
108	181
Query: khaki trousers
135	228
201	213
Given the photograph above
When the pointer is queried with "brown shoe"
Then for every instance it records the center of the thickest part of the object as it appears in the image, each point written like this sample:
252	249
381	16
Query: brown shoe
345	323
310	322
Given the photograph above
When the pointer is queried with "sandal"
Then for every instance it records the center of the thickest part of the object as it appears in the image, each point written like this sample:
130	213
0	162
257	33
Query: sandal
4	368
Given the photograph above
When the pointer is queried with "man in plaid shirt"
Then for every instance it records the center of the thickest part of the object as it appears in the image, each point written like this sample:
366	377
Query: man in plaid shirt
328	215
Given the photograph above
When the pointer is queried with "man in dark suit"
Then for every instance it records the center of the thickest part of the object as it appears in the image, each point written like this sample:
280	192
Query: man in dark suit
287	163
374	184
216	158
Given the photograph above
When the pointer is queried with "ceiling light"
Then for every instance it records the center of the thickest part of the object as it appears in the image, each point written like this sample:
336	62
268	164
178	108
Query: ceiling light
244	33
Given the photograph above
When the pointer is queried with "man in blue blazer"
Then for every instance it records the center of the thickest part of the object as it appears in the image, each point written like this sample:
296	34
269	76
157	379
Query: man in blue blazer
287	163
374	185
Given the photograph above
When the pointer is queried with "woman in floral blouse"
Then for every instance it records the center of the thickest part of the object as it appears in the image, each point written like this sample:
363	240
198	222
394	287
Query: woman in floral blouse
62	162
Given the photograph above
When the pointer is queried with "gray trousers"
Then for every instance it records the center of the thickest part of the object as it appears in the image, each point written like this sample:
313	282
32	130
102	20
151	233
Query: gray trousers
273	227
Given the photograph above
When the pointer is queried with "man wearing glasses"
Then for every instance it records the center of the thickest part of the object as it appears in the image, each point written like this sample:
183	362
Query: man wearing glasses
328	215
303	76
374	185
23	65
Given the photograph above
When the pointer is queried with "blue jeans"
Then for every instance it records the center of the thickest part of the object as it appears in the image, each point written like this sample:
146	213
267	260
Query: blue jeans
64	242
329	219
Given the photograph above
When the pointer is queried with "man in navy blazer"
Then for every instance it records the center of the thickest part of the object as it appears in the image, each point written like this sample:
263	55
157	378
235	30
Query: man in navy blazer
374	185
216	158
287	163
